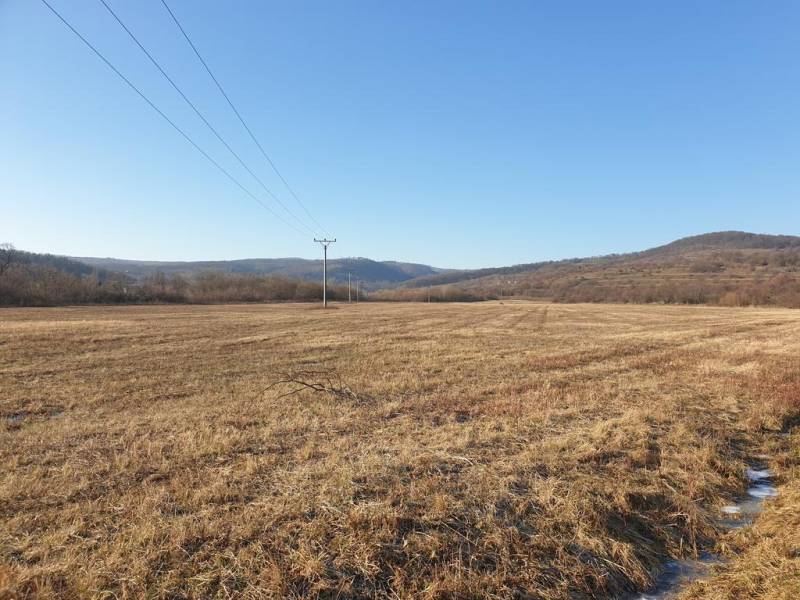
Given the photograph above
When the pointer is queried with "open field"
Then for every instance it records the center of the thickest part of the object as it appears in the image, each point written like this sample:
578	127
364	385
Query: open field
477	451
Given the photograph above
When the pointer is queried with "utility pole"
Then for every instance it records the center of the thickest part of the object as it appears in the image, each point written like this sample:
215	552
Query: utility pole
349	293
357	282
325	243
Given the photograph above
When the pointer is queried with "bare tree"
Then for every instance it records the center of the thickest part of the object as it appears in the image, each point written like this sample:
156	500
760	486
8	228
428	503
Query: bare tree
7	256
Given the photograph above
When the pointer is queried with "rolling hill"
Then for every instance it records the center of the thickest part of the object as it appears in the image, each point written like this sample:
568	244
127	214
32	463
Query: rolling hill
729	267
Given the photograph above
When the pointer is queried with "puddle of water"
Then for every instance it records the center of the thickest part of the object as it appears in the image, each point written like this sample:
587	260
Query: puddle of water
677	574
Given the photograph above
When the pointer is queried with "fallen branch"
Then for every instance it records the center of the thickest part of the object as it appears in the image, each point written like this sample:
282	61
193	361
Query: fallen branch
325	381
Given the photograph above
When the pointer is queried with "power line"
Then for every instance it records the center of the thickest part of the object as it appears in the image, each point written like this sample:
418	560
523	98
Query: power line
202	117
239	116
166	118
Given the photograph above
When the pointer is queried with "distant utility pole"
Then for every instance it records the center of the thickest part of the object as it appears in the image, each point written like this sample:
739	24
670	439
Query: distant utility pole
357	282
325	243
349	293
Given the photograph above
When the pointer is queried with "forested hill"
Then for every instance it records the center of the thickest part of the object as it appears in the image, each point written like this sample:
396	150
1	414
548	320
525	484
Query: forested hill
372	274
729	267
63	264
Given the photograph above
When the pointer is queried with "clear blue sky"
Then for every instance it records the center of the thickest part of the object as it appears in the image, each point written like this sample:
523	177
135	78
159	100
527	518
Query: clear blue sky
460	134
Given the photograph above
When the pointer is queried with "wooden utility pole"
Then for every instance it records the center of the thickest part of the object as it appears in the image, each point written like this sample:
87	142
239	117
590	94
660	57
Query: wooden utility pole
325	243
349	294
357	282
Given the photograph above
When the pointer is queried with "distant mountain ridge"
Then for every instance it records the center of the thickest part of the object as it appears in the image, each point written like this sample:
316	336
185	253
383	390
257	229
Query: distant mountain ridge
373	274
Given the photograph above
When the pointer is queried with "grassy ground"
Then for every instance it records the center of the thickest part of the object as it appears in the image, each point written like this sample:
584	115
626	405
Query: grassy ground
458	451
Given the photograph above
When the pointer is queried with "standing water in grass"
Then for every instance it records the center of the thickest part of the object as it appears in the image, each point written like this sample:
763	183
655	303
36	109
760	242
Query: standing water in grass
677	574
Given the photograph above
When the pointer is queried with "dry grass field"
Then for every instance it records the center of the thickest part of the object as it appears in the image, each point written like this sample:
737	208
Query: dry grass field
515	450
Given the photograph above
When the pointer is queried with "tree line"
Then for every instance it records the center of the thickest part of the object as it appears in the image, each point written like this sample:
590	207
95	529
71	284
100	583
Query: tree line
28	279
778	290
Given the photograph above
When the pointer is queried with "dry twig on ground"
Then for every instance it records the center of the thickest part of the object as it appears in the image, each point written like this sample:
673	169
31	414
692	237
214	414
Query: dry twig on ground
322	380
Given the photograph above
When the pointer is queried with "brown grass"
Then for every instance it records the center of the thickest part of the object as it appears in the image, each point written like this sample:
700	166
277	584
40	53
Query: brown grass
484	450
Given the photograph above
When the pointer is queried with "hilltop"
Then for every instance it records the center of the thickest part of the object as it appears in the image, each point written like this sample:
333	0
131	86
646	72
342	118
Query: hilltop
728	240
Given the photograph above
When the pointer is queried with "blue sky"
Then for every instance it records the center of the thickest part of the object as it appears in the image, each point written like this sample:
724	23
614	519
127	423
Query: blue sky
460	134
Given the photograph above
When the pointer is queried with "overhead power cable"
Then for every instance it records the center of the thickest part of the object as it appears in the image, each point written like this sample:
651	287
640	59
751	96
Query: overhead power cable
239	116
167	119
203	118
